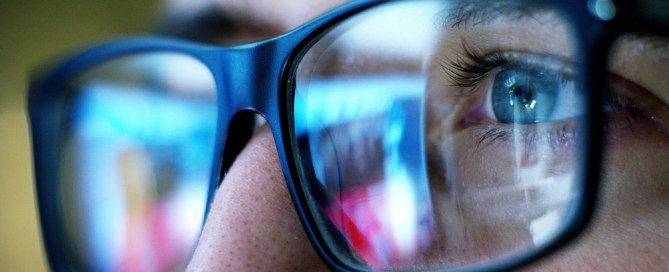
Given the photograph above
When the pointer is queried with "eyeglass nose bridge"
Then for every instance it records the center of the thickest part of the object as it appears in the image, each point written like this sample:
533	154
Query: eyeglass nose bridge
251	77
249	84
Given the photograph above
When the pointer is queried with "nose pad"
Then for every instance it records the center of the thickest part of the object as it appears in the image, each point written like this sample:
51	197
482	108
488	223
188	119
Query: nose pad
240	130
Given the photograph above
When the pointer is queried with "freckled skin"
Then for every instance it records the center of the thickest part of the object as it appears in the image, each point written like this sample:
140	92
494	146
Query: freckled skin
252	225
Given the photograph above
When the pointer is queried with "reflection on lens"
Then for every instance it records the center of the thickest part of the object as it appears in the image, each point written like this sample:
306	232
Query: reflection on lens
436	137
137	161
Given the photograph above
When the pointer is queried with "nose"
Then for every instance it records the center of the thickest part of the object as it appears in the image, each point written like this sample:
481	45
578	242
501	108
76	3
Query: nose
252	224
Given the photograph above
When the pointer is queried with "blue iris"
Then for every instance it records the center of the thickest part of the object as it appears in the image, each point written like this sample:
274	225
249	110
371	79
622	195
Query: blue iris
524	96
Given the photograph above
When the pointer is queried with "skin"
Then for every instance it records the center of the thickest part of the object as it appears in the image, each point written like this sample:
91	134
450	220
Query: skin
247	243
252	225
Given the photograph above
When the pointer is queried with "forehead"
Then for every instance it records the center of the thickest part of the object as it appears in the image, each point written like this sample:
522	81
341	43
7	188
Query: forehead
262	18
240	21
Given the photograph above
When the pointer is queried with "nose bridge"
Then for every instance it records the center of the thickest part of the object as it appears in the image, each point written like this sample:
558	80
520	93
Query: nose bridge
251	77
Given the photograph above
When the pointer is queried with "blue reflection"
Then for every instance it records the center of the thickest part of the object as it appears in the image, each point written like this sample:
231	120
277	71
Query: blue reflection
141	155
364	107
365	139
329	102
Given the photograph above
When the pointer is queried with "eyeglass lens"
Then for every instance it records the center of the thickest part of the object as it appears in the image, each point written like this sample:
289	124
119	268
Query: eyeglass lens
440	134
136	163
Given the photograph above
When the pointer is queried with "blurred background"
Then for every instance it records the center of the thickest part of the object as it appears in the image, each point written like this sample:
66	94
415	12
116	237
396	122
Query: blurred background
32	32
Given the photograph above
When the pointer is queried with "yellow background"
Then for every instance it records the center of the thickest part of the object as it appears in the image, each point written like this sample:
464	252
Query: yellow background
32	32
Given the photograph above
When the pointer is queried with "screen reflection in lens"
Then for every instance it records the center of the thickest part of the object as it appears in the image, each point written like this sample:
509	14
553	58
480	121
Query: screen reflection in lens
137	162
440	134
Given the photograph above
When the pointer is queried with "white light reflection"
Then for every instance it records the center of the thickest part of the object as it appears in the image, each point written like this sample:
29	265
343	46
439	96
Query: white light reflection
406	187
546	179
402	214
544	228
402	27
400	188
191	77
553	193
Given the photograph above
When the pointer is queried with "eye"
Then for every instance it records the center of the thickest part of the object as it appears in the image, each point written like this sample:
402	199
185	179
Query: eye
524	95
520	88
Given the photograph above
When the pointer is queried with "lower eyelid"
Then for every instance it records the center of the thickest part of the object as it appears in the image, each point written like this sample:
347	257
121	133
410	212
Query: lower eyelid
557	138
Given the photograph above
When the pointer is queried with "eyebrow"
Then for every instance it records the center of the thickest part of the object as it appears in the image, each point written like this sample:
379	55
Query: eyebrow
204	26
481	12
213	25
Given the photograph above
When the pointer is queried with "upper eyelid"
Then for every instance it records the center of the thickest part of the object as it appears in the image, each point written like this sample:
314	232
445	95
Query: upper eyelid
468	69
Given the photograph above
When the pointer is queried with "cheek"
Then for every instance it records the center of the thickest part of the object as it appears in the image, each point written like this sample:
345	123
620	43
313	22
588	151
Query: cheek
629	228
490	198
636	177
635	173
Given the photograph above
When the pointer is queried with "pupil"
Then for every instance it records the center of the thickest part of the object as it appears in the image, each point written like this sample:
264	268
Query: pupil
521	93
520	96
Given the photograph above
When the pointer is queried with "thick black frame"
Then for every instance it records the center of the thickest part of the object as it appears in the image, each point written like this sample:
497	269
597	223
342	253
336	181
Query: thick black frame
267	88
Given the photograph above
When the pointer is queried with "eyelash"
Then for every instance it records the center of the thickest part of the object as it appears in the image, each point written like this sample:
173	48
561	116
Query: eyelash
558	139
471	68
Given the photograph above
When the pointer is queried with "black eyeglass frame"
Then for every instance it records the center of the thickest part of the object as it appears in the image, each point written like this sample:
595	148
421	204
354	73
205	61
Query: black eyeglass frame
268	89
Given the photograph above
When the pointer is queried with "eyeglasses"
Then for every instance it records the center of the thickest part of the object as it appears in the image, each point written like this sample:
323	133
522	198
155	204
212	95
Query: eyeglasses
412	135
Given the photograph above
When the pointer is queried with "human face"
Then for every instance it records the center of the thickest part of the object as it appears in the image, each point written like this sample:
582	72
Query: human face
252	224
426	134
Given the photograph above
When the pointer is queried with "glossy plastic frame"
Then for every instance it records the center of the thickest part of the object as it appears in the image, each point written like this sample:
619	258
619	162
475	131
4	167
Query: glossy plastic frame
267	87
